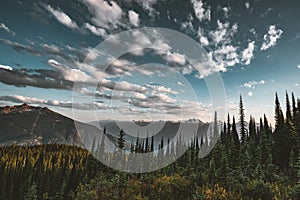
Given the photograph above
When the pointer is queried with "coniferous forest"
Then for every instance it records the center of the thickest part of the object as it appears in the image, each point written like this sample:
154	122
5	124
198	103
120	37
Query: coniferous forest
255	161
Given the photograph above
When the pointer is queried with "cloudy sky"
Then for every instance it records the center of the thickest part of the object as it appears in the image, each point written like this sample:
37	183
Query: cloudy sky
48	56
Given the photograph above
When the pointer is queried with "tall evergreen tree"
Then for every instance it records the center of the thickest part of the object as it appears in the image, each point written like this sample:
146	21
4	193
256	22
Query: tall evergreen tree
121	140
281	141
294	108
215	134
288	108
243	129
235	136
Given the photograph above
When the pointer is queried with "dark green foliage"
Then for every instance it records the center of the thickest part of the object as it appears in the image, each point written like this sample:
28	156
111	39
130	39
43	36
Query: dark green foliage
261	164
242	121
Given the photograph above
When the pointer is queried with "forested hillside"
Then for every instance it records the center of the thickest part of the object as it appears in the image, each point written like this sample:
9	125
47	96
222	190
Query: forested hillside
260	163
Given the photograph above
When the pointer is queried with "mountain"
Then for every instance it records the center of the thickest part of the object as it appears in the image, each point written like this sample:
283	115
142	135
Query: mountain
168	130
25	124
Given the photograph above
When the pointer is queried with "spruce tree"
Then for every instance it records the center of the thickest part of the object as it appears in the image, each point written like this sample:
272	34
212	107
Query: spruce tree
242	121
121	140
281	143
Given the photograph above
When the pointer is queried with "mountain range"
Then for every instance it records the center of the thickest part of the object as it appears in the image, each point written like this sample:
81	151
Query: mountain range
30	125
24	124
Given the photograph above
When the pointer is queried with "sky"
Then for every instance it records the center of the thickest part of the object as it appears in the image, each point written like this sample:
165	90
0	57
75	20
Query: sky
70	56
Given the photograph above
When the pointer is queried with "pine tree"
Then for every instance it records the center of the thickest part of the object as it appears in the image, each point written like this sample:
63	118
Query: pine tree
215	133
252	128
235	136
242	121
121	140
281	142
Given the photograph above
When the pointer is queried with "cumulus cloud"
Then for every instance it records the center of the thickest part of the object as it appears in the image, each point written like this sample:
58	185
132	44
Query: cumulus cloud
226	55
201	12
6	67
224	32
250	94
175	58
270	39
121	86
52	49
151	39
253	84
247	54
74	75
104	14
96	30
180	83
62	17
148	6
5	28
133	18
247	5
203	39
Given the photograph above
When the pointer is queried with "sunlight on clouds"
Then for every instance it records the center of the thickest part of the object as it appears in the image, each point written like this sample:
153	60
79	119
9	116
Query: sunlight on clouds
201	12
62	17
6	67
104	14
247	54
270	39
133	18
253	84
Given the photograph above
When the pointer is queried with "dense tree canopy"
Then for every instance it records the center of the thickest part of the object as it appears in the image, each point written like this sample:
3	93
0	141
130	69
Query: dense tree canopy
254	162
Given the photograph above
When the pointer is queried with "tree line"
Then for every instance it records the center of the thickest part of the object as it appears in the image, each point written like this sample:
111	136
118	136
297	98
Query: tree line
254	161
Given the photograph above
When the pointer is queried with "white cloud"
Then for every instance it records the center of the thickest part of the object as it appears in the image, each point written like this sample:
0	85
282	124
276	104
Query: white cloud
226	56
262	82
200	12
253	84
148	6
6	67
175	58
247	54
151	39
133	18
204	40
224	32
121	86
247	5
160	89
298	66
250	94
226	11
70	74
104	14
51	48
5	28
271	37
180	83
64	104
95	30
62	17
29	99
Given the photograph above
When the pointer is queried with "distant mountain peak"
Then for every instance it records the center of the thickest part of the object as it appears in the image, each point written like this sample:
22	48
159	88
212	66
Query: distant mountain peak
16	109
25	124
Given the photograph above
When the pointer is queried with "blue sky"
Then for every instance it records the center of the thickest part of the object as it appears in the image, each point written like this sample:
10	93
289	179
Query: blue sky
253	44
